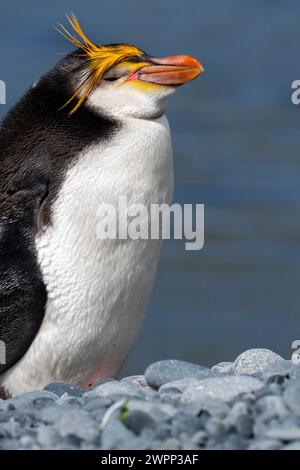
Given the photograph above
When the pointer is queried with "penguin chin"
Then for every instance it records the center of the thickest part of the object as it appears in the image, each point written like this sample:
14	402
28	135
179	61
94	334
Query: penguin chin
133	99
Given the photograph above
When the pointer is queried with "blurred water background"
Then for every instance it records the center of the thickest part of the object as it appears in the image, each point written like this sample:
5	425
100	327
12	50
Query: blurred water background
237	150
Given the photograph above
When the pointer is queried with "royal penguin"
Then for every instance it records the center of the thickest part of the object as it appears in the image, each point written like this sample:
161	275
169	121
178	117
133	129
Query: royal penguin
89	132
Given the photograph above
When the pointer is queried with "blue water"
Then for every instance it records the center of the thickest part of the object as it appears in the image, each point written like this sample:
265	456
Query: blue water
237	150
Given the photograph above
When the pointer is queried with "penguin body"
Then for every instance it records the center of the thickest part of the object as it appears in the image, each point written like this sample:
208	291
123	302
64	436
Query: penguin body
71	303
94	325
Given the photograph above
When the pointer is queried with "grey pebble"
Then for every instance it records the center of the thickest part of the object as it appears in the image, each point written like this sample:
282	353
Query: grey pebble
264	444
60	389
225	388
27	442
268	389
281	371
77	423
237	409
214	406
291	397
271	406
38	399
175	406
6	405
9	444
166	371
117	436
292	446
108	389
234	442
96	403
169	444
101	382
157	410
283	433
179	385
215	428
244	425
223	367
52	413
253	361
199	438
186	424
172	391
48	437
136	380
138	420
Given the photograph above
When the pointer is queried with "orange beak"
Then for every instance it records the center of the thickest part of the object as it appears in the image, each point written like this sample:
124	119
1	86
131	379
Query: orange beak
171	71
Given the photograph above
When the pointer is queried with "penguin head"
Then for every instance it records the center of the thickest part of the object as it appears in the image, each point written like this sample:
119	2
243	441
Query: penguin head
121	79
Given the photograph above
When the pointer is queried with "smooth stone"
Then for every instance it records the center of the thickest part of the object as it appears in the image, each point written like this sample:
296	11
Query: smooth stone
37	399
172	397
292	421
291	397
108	389
271	406
157	410
244	425
98	415
224	388
163	431
223	367
78	423
264	444
186	424
233	442
199	438
281	371
169	444
239	408
13	428
213	406
65	446
93	404
136	380
177	385
60	389
138	420
3	431
215	428
116	436
268	389
229	442
102	381
143	441
48	437
283	433
87	446
27	442
186	443
68	401
5	406
253	361
9	444
51	414
249	397
162	372
173	390
291	446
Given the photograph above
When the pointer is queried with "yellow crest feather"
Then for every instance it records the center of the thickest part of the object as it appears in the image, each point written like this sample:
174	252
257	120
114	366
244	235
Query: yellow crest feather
99	59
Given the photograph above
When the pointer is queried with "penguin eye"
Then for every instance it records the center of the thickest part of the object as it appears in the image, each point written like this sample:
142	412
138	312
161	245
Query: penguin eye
111	79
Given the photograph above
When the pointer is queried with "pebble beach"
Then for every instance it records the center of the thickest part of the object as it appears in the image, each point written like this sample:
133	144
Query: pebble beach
252	403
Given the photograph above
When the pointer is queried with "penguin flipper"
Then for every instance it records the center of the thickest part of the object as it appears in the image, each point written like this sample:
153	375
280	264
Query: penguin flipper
22	291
